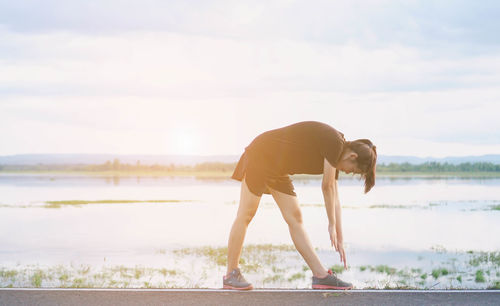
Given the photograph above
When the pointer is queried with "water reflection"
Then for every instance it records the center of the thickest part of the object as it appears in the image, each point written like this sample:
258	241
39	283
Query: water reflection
452	213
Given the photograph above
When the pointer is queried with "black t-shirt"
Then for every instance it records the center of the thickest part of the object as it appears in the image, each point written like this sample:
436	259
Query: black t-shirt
299	148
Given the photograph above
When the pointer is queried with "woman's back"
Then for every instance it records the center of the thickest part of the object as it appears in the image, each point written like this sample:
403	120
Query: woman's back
298	148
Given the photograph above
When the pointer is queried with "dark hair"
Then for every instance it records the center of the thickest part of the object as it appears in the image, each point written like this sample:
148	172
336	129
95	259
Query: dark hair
367	160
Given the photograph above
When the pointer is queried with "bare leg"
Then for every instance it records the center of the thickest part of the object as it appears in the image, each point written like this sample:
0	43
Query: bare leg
249	203
290	210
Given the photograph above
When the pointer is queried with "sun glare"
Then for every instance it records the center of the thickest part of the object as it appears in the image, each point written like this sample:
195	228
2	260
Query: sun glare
185	142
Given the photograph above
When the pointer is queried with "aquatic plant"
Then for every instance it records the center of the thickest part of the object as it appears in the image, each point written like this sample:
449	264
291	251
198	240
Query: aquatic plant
166	272
296	276
339	269
36	278
485	257
436	273
7	273
390	206
496	285
479	276
56	204
273	278
384	269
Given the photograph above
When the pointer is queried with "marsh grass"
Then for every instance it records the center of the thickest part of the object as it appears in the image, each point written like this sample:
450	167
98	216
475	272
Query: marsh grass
77	203
485	258
85	276
436	273
7	273
273	278
254	256
37	278
384	269
392	206
339	269
479	276
495	286
166	272
296	276
271	265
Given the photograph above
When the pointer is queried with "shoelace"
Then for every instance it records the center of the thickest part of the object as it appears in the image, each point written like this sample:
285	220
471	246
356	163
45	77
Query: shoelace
237	275
332	273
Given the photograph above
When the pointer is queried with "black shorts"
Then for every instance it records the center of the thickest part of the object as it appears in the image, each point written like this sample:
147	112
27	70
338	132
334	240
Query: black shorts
259	176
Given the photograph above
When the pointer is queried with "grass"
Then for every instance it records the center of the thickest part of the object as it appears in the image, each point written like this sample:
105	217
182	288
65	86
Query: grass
495	286
275	264
390	206
166	272
436	273
8	273
339	269
494	207
252	259
83	202
36	278
485	258
296	276
273	278
84	276
479	276
385	269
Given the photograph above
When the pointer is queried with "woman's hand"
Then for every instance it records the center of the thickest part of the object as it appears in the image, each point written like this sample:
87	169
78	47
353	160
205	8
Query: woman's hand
340	249
333	236
338	243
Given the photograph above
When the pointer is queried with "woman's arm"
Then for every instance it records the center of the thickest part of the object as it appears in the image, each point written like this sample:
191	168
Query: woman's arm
333	210
327	186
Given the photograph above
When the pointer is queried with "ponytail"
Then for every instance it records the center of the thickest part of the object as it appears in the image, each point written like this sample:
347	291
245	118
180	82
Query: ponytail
367	160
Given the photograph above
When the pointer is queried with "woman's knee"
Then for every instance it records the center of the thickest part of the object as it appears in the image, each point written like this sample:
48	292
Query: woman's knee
245	216
294	217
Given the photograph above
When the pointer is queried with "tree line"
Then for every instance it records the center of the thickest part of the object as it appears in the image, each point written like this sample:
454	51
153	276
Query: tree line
116	165
439	167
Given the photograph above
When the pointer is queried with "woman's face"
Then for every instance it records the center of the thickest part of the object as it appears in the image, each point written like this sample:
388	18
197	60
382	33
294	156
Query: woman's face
348	164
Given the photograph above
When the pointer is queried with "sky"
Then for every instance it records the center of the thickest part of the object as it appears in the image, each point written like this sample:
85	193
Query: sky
417	78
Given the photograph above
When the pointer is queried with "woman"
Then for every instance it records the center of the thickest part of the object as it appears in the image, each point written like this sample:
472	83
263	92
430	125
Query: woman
307	147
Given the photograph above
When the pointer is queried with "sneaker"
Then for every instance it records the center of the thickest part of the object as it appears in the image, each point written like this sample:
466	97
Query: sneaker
236	281
331	281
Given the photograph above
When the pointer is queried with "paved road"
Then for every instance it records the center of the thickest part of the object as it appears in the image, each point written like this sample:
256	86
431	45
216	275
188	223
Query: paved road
256	297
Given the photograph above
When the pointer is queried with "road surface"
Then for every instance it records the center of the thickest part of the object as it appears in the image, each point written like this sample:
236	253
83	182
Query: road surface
28	296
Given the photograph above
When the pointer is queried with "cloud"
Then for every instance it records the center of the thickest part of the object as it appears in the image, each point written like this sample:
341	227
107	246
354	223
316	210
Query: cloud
165	64
468	26
114	76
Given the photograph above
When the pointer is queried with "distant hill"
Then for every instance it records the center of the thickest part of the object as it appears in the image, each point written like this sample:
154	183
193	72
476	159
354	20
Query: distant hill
58	159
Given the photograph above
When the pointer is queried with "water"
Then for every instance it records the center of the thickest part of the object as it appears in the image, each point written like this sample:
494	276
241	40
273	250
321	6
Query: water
403	223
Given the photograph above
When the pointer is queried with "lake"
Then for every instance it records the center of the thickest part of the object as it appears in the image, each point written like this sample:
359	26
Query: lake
406	233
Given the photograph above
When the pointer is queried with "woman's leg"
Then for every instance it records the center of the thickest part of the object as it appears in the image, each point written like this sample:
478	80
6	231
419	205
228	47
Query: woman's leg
249	203
290	210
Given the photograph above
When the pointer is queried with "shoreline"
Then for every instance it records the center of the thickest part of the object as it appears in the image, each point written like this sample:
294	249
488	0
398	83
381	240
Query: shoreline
227	175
